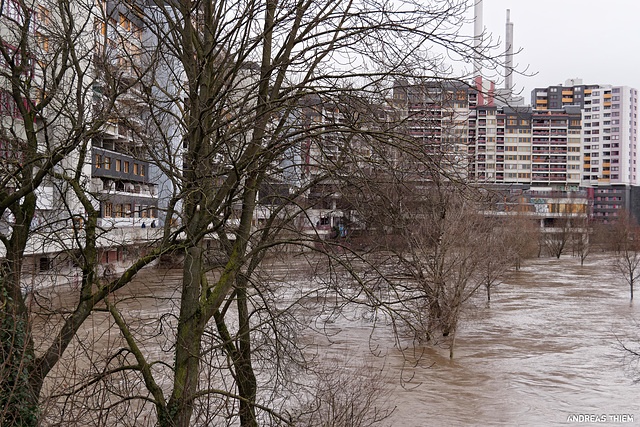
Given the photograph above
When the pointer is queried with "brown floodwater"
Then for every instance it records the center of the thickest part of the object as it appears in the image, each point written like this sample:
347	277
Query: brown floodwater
547	347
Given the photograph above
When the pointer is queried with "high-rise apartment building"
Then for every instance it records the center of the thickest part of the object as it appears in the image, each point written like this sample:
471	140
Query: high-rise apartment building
119	170
88	101
609	129
439	116
527	146
609	140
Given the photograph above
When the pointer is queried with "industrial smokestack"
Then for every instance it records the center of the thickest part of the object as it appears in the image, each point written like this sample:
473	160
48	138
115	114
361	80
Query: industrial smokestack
508	60
478	30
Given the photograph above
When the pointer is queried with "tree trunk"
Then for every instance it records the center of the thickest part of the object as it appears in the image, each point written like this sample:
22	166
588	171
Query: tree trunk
190	329
247	384
18	399
453	343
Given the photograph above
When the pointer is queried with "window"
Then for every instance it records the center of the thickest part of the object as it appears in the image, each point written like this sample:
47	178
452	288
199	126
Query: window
98	161
142	170
8	106
43	41
16	59
125	23
127	210
108	207
126	167
118	165
12	10
119	212
112	34
107	162
99	27
42	17
136	31
136	169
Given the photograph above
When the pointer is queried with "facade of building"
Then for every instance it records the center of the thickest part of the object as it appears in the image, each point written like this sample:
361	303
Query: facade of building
527	146
609	141
554	97
439	117
116	172
120	172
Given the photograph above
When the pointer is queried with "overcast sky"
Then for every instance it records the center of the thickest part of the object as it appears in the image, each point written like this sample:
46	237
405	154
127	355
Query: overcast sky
561	39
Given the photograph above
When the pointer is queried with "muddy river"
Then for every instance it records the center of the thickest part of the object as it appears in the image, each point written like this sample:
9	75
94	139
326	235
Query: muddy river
546	350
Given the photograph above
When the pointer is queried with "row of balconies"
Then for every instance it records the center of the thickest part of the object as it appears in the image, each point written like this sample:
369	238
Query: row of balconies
548	169
538	152
101	185
118	166
549	178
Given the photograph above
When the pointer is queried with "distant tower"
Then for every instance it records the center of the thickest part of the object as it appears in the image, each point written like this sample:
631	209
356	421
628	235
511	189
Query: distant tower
478	30
508	60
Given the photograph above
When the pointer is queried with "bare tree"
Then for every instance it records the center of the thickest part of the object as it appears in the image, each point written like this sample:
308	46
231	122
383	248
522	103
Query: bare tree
501	257
581	244
222	95
523	236
557	236
627	243
441	248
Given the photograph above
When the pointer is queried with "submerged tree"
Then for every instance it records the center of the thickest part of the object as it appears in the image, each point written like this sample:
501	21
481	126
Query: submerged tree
627	246
522	237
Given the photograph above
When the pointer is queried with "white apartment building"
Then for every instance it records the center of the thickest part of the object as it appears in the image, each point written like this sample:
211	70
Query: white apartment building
609	128
609	169
108	45
609	136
